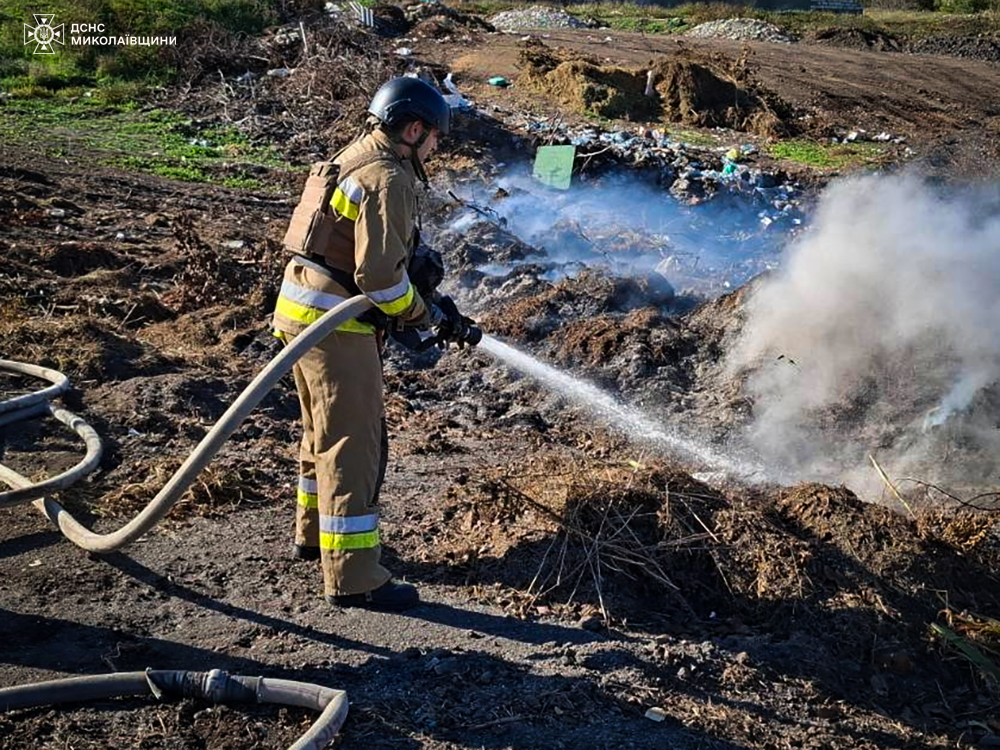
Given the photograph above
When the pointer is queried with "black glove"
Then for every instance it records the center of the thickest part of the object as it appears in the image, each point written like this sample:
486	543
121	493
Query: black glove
451	325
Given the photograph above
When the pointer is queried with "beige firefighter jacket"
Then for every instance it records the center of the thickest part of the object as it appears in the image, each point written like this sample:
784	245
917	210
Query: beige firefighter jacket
375	207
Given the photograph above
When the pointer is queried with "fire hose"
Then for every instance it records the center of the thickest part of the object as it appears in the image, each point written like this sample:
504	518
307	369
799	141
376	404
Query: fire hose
216	686
213	685
33	404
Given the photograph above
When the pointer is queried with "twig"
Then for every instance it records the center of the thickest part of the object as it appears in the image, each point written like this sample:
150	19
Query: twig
589	157
305	44
891	486
127	316
504	720
489	213
966	503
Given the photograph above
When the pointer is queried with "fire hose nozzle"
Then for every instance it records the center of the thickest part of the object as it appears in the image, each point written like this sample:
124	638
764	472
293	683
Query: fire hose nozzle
474	336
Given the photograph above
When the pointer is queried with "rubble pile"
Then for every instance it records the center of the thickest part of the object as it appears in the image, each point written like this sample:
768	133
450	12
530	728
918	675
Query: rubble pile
984	47
536	17
740	29
980	48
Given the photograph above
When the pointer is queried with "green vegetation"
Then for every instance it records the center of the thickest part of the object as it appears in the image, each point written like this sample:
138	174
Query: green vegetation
156	141
693	137
76	65
828	155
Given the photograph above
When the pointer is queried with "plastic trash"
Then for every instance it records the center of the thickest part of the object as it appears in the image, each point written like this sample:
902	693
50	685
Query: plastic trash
499	81
454	97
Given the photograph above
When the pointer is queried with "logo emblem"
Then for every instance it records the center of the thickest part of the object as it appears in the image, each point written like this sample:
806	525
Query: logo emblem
44	35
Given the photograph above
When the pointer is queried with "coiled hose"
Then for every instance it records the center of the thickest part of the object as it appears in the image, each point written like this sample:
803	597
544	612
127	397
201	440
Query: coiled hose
216	686
178	484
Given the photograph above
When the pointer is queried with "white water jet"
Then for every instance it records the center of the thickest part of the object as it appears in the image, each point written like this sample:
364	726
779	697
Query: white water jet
630	420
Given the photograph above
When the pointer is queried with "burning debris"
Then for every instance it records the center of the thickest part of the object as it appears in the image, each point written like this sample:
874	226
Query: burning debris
667	243
884	307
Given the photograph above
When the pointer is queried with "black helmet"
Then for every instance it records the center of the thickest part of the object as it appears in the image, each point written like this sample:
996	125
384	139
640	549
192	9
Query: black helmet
406	99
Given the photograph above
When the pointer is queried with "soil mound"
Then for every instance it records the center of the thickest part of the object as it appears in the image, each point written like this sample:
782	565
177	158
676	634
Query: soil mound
584	85
390	19
69	259
861	39
82	348
852	583
712	91
719	92
421	13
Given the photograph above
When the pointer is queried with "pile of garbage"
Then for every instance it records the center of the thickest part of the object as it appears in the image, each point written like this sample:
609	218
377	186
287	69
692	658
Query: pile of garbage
536	17
690	192
741	29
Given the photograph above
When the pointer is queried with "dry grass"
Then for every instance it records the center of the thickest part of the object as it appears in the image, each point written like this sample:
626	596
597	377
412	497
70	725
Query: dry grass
216	492
616	521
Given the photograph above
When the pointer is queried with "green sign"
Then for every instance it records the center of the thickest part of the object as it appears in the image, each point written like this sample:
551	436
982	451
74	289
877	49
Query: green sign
554	166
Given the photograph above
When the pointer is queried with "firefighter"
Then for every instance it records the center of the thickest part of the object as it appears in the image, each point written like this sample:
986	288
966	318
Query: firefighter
369	237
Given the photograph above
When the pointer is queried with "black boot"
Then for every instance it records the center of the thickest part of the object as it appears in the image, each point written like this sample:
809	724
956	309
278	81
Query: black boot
389	597
302	552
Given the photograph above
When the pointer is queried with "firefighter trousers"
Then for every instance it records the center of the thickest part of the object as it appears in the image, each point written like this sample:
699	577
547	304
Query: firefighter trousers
342	460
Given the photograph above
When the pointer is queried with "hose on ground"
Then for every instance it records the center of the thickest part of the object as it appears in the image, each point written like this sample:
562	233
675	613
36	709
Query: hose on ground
178	484
60	384
216	686
25	490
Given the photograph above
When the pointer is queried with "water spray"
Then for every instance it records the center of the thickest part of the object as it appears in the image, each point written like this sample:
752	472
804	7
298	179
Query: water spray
632	421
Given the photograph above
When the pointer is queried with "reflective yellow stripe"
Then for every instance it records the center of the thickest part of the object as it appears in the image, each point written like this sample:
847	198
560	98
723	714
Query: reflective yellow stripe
354	326
343	205
367	540
307	499
399	305
309	315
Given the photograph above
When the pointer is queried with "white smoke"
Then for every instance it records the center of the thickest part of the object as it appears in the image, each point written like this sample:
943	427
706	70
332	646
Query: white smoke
629	226
883	322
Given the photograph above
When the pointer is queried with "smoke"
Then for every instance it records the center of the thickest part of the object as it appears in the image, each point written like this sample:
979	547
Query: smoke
629	226
880	335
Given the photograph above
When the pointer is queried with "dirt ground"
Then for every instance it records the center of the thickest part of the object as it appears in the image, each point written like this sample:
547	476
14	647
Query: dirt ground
573	581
